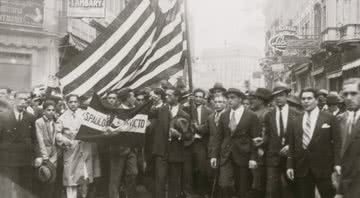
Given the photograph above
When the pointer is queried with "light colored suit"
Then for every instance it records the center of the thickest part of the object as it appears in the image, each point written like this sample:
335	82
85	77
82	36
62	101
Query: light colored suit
45	134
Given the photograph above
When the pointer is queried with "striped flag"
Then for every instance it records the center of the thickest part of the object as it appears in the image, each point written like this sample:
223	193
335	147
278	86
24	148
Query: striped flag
143	45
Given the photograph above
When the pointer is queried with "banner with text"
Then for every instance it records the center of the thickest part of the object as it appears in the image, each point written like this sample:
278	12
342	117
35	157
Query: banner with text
22	12
97	118
86	8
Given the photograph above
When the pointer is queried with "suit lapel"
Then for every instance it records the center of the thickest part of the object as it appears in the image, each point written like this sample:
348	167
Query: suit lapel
203	114
317	128
274	122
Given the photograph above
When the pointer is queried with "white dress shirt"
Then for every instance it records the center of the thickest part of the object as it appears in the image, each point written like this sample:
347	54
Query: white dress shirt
314	114
16	112
284	114
174	110
238	113
198	109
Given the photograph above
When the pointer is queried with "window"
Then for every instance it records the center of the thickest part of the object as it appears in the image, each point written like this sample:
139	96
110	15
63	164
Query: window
317	19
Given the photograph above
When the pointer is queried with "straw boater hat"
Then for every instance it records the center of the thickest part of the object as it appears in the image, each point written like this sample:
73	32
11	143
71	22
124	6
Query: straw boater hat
46	173
217	86
280	88
236	92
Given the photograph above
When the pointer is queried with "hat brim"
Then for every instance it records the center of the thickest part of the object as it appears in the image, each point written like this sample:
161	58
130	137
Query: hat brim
241	95
52	176
266	99
212	90
281	91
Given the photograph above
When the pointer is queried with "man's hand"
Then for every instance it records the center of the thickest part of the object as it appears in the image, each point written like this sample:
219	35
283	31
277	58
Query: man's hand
175	133
284	151
290	174
252	164
213	163
38	161
337	170
258	141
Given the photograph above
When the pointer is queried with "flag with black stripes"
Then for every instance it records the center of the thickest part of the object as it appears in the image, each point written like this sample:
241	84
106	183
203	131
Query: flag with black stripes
144	44
130	124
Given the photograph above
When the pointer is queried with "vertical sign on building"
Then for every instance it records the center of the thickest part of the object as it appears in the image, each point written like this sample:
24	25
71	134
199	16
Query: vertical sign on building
86	8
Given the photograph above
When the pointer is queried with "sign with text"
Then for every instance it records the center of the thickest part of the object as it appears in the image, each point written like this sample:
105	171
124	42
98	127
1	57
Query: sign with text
22	12
86	8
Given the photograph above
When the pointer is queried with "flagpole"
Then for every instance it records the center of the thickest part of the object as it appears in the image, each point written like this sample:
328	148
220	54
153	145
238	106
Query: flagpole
188	50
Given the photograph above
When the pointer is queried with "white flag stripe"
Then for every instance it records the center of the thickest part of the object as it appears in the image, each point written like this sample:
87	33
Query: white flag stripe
169	63
158	54
138	54
115	60
167	30
106	46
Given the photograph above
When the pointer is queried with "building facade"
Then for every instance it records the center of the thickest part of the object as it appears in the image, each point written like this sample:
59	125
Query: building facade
332	26
37	38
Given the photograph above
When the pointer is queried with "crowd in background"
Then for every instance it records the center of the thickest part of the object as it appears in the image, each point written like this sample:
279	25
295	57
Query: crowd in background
205	143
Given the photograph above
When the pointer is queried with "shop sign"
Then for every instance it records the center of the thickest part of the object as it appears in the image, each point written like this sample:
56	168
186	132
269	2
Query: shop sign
22	12
86	8
279	41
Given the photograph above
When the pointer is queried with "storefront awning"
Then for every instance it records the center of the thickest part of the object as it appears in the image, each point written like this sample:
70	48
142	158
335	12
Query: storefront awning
78	43
335	74
351	65
318	71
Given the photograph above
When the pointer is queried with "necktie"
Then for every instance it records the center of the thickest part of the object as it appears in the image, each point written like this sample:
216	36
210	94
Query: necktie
19	117
281	123
307	132
217	118
232	124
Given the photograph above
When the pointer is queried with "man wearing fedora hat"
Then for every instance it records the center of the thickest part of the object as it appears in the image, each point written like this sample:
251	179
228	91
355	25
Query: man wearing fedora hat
218	89
278	124
236	151
259	104
332	101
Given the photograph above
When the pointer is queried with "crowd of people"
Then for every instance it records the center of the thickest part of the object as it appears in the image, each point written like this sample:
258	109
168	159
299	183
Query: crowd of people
221	143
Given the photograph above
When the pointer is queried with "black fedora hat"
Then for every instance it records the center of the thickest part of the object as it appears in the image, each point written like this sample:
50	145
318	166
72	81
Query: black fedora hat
262	93
280	88
332	99
236	92
217	86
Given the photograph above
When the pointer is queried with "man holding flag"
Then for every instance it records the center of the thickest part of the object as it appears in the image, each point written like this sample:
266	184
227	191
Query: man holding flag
123	160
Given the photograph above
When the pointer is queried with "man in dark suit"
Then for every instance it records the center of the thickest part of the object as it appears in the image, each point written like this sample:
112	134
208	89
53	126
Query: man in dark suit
170	132
350	131
259	104
123	160
314	149
197	165
213	146
237	129
17	149
278	124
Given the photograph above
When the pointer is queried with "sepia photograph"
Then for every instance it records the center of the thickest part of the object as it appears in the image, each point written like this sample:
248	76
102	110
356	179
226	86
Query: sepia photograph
179	99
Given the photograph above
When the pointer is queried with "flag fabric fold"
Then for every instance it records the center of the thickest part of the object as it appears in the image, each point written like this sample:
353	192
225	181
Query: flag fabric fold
98	117
143	44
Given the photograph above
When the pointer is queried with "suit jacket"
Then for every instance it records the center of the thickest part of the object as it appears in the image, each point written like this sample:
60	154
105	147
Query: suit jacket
203	130
273	142
323	151
161	146
350	160
46	139
17	140
214	135
239	144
